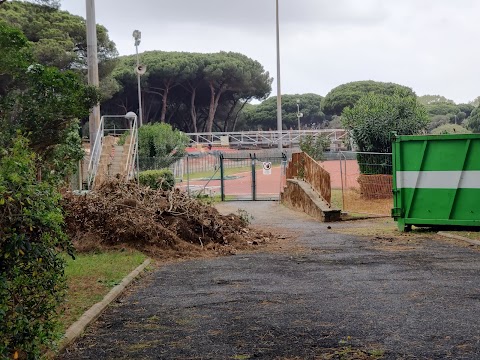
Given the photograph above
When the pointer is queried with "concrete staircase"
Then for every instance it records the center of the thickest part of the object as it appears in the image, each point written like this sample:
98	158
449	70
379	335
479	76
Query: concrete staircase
116	163
113	160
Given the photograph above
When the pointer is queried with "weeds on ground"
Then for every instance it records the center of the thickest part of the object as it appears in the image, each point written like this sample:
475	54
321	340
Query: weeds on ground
245	216
347	352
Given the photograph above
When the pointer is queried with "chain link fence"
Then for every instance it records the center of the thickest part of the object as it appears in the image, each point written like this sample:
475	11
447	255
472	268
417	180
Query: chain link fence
361	182
367	183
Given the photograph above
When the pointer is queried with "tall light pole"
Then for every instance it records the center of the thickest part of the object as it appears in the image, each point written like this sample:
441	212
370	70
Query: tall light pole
137	35
279	88
299	114
92	60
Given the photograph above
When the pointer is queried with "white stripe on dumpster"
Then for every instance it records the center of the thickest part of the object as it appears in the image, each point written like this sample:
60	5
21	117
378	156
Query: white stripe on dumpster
438	179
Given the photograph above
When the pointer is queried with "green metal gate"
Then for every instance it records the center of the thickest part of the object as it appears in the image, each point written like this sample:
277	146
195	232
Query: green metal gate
436	180
252	177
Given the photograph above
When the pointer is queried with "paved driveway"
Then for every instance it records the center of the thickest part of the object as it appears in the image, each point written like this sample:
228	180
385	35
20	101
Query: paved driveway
325	295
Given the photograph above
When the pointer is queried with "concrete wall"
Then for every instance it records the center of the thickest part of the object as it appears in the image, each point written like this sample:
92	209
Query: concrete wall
299	195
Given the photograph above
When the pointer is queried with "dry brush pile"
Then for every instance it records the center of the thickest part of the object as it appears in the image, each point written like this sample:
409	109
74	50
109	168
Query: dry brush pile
162	223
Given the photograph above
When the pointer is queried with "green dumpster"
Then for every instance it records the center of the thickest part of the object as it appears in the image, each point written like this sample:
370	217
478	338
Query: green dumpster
436	180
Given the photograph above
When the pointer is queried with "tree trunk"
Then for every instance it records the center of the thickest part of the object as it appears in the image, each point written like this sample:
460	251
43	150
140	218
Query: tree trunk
214	99
238	113
225	124
172	113
147	113
193	110
164	103
211	110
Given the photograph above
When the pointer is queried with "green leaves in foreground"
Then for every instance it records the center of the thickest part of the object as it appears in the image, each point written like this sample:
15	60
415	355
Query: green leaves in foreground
32	281
375	116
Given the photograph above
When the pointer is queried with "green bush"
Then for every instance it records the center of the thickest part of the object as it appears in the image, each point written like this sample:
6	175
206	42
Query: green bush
473	122
374	164
161	141
450	129
32	283
372	121
315	146
123	138
158	179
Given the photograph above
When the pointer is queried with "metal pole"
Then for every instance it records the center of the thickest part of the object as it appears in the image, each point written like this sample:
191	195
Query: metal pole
140	109
188	176
298	117
341	178
136	155
222	179
279	89
254	177
92	68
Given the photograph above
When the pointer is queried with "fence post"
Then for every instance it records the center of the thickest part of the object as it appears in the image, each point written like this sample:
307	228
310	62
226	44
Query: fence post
188	176
283	174
341	180
254	178
222	180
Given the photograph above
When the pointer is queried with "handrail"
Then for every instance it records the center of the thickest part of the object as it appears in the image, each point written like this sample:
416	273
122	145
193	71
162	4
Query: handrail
256	138
132	152
307	169
95	156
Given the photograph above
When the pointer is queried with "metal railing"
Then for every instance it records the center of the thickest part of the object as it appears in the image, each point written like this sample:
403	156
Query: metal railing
262	138
132	155
96	152
95	155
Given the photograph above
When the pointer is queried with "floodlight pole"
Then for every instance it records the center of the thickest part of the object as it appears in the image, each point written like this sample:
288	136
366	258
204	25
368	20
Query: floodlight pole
92	60
137	35
299	115
279	89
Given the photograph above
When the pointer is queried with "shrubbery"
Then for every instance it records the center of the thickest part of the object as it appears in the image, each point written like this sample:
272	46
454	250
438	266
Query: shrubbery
315	146
374	118
450	129
157	179
161	140
32	280
42	103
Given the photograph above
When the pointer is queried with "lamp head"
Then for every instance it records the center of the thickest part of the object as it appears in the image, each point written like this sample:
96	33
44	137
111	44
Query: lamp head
137	35
130	115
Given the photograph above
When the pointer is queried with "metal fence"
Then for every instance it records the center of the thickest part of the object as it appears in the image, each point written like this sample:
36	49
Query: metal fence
259	139
361	182
204	162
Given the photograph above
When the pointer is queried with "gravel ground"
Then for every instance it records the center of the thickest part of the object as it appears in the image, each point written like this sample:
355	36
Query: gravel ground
319	295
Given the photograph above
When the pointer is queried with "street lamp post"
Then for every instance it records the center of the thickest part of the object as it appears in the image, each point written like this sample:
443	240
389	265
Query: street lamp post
137	35
92	60
279	89
299	114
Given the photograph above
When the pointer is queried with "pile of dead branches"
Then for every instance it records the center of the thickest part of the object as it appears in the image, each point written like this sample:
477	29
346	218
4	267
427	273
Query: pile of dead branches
156	221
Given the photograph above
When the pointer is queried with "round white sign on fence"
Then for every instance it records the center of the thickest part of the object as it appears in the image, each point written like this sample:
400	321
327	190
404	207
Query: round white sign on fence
267	168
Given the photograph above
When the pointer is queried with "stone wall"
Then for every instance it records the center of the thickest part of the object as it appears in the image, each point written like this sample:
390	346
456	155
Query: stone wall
299	195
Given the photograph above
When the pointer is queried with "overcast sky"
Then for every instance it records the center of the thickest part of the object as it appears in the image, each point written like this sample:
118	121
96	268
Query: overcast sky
429	45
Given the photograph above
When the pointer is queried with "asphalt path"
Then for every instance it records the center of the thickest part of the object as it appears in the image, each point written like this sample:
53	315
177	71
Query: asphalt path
321	294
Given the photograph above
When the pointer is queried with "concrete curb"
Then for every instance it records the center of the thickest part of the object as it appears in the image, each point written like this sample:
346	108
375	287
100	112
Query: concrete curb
76	329
458	237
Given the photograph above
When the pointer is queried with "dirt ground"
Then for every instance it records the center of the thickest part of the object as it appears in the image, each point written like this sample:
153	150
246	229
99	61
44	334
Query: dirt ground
357	290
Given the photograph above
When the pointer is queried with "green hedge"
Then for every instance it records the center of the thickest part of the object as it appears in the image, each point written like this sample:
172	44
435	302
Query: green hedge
32	282
157	179
375	164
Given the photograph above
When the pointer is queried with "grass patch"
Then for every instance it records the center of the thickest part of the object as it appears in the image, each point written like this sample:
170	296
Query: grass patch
91	276
336	200
209	174
355	204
